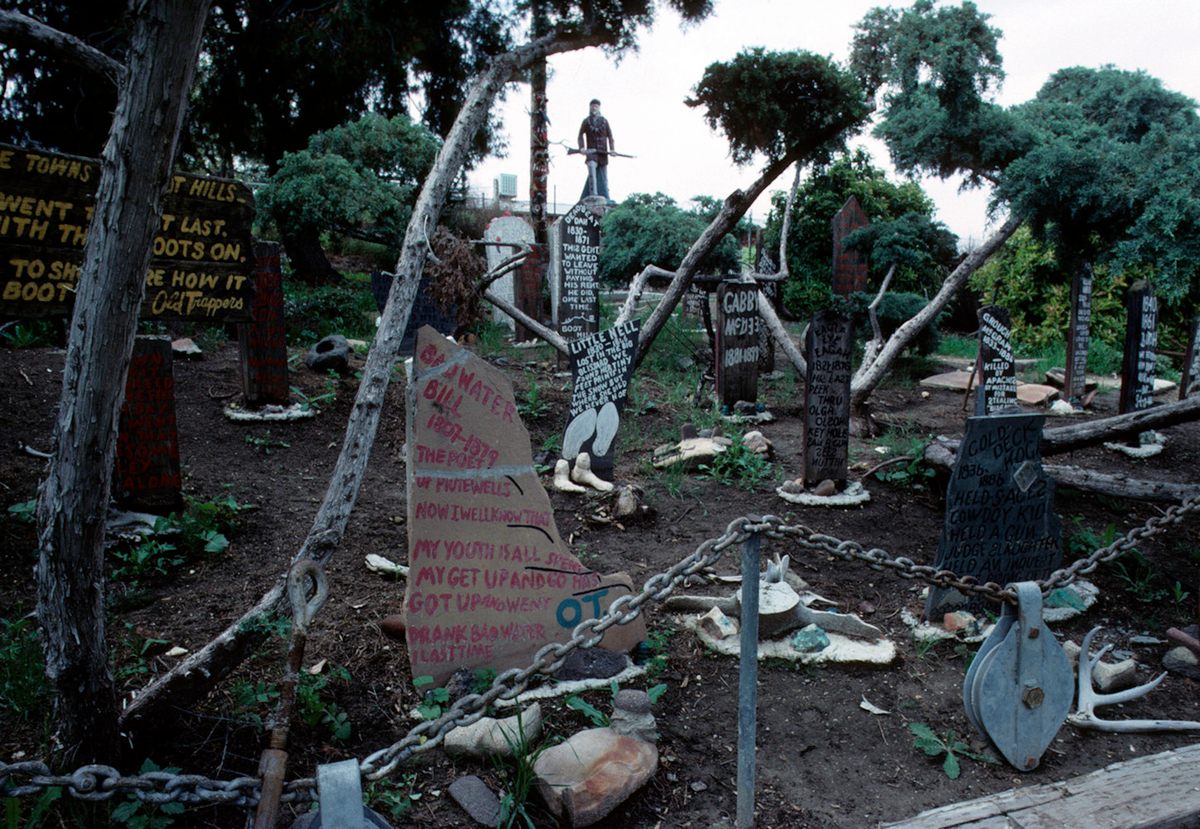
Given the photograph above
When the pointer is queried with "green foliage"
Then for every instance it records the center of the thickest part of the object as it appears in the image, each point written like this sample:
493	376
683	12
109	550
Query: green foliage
264	443
144	561
740	467
754	100
313	312
654	230
956	345
42	805
23	685
24	512
520	778
203	524
435	701
138	814
315	708
28	334
1084	541
1134	570
358	179
926	740
394	795
894	310
594	715
533	405
658	646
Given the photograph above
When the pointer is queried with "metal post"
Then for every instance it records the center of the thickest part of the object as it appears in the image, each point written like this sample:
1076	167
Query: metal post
748	683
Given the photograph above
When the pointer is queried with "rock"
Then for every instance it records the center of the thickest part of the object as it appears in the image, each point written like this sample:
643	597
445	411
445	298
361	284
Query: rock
1145	639
865	608
329	354
1036	394
393	626
796	486
185	347
688	431
591	663
1108	677
810	639
1180	660
1061	408
631	715
593	772
957	620
825	489
176	652
476	799
628	501
717	625
460	683
757	443
488	737
846	624
777	603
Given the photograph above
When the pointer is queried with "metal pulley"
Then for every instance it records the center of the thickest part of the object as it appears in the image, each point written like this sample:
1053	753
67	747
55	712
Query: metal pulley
1019	687
339	790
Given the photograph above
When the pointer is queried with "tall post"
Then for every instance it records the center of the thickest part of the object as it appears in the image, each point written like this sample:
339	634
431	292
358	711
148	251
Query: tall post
539	137
748	683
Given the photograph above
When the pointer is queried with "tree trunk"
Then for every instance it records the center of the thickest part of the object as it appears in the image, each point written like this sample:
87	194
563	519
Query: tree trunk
135	169
309	263
192	678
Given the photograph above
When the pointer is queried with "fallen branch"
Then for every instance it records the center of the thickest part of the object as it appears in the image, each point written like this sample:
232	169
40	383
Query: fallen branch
550	336
1079	435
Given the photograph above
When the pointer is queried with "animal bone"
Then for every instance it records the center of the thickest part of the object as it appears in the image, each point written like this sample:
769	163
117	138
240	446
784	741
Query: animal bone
1089	699
583	474
562	477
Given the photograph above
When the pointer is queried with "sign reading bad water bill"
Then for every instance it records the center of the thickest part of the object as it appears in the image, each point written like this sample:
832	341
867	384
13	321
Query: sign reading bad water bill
202	259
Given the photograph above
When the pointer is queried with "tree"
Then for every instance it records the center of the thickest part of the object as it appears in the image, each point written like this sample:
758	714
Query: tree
654	230
359	180
136	166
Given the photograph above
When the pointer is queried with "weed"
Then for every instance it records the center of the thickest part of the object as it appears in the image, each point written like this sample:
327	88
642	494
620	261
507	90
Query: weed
956	345
595	716
37	815
482	680
435	699
519	778
265	443
23	684
656	648
1179	595
143	562
29	334
923	647
249	696
394	798
139	646
912	475
139	814
1084	540
316	401
203	524
1139	578
315	710
929	742
490	337
739	466
312	313
24	511
279	627
534	405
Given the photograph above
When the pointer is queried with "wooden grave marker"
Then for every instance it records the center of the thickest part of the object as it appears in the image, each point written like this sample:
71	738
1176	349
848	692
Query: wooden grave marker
425	309
578	257
1078	334
997	389
828	350
146	474
601	365
490	578
262	342
849	266
1141	351
737	349
528	287
1000	522
1189	383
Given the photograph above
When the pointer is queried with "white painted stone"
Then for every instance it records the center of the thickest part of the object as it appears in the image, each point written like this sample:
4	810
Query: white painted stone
488	737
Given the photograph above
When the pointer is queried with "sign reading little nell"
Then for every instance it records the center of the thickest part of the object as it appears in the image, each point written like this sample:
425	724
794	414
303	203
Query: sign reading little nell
737	342
202	260
998	386
1189	384
1000	522
849	266
828	350
490	580
600	368
1078	334
1141	348
579	298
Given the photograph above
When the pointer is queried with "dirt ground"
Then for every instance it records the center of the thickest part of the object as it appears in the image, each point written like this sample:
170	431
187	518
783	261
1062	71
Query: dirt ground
822	760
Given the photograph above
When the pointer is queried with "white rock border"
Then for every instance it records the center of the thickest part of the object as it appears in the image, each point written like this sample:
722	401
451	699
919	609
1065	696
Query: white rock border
269	413
852	496
842	650
1146	450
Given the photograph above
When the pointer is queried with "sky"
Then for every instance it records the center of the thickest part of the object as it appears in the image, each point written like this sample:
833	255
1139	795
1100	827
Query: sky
678	154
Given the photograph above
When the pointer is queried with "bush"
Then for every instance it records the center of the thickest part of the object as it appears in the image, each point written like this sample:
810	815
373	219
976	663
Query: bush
311	313
894	310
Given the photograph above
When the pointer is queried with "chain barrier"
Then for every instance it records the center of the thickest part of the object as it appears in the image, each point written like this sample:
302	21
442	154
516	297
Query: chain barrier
99	782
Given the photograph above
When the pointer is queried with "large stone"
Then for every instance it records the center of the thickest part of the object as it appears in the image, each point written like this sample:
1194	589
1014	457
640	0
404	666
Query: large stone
329	354
591	663
591	774
488	737
476	799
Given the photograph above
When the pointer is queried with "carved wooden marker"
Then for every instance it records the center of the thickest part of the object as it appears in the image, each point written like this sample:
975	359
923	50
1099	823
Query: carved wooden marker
737	343
849	266
146	474
1000	522
1189	383
1141	350
490	579
601	365
1078	334
998	384
828	349
262	343
578	263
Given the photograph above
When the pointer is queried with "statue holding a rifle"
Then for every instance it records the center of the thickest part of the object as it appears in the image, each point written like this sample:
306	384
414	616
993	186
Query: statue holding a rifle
596	143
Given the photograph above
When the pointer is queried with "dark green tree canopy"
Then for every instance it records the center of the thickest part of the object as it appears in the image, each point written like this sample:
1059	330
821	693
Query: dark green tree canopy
780	103
654	230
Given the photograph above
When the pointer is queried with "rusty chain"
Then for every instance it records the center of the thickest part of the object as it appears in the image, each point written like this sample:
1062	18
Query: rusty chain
99	782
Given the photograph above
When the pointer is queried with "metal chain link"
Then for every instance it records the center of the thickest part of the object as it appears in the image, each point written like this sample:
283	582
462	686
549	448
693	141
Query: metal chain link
99	782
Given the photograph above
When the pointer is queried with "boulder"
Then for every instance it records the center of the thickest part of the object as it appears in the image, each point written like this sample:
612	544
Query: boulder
591	663
586	777
488	737
329	354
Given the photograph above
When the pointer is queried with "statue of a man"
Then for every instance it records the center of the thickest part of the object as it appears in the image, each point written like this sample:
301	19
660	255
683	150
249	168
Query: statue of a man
596	142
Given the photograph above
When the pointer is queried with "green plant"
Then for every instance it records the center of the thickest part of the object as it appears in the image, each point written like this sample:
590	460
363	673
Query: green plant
957	345
913	474
394	798
739	466
265	443
144	561
1139	578
139	814
657	647
37	815
29	334
23	684
203	524
24	511
1085	540
435	699
519	779
138	646
314	709
533	405
313	402
597	717
928	741
1178	594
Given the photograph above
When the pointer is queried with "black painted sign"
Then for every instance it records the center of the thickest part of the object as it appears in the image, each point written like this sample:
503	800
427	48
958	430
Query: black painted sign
146	473
262	343
1078	334
1000	522
601	365
828	350
737	354
579	262
202	258
1141	348
998	383
1189	384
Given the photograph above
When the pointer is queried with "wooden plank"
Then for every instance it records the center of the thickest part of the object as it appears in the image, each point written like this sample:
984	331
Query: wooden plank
1155	792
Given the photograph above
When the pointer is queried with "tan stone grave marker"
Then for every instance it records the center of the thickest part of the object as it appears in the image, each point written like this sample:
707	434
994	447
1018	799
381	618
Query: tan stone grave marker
490	579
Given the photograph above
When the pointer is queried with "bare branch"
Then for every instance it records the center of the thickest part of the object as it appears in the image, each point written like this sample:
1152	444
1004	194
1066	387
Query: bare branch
770	319
872	348
636	287
551	337
787	223
17	29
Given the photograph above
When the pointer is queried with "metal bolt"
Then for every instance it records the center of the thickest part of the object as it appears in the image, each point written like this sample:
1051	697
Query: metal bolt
1034	633
1033	696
